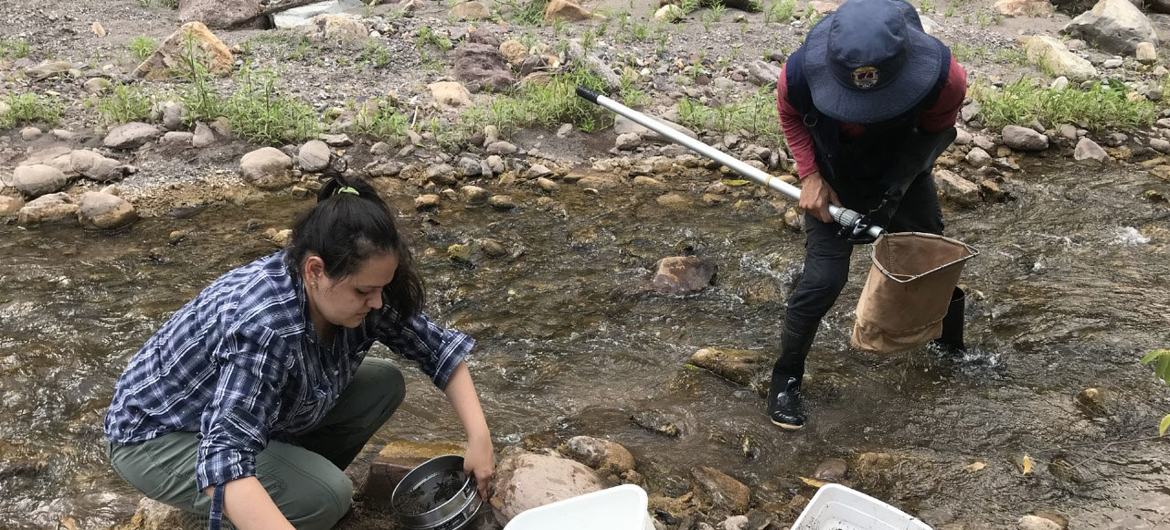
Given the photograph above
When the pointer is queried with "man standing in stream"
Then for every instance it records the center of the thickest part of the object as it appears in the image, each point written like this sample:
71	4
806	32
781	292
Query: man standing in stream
867	104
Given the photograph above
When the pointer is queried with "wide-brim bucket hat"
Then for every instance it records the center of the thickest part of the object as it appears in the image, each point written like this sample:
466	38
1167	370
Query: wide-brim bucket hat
871	61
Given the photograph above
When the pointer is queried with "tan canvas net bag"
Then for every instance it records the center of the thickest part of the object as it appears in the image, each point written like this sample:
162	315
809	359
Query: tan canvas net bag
908	290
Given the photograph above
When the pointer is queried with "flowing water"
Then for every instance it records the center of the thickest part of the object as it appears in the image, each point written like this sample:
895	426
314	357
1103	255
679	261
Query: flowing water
1067	294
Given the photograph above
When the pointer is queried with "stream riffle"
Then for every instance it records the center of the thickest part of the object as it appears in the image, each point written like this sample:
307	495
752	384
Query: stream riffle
572	341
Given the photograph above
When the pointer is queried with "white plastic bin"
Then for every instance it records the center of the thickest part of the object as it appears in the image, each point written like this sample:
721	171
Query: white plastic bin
836	507
618	508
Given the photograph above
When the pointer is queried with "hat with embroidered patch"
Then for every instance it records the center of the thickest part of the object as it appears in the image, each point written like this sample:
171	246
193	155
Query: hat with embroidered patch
871	61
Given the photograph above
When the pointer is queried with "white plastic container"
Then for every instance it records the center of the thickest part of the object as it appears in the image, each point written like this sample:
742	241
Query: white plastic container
619	508
836	507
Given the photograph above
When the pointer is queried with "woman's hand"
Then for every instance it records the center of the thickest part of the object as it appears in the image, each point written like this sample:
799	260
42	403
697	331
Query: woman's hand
480	462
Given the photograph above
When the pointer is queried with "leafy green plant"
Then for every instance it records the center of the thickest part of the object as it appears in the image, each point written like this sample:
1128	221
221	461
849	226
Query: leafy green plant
13	48
259	112
199	95
375	54
30	108
1160	360
1101	106
547	104
756	115
780	11
123	104
630	92
380	119
142	47
530	12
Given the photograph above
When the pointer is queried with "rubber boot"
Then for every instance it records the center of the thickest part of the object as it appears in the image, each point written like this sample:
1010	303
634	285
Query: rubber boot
785	407
951	340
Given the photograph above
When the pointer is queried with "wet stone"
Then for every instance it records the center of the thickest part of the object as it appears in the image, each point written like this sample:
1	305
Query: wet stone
603	455
1032	522
738	366
547	185
658	422
683	274
427	201
502	202
831	470
493	248
718	490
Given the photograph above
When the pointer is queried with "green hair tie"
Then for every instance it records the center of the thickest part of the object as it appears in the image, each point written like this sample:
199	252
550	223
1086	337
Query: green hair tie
347	189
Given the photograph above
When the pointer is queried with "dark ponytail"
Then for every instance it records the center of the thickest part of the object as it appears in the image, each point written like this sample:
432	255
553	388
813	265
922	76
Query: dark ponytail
350	224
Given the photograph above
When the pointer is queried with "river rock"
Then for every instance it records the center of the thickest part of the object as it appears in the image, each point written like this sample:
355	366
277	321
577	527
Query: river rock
267	168
956	189
738	366
566	9
29	134
495	164
92	165
502	202
683	275
513	51
1024	139
470	167
172	115
1113	25
47	69
397	458
9	206
218	13
978	157
427	201
502	148
831	470
314	156
169	57
450	94
718	490
1146	53
481	66
154	515
1024	8
602	455
131	135
649	183
669	13
525	480
475	195
628	142
763	73
103	210
547	185
38	179
1052	56
182	138
442	174
336	29
51	208
1160	145
472	10
1087	149
623	125
1032	522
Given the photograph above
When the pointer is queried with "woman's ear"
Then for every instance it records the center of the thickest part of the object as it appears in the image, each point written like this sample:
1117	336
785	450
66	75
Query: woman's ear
313	270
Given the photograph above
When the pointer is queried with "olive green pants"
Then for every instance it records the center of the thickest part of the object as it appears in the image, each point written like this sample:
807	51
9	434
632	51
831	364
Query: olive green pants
305	480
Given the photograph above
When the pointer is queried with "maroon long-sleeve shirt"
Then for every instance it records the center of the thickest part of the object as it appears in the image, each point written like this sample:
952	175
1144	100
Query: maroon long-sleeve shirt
934	119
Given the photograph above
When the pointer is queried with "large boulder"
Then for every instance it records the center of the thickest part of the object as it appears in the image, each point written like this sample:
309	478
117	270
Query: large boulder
567	10
602	455
171	56
1024	139
1113	25
104	210
51	208
718	490
339	30
267	168
525	480
1023	8
738	366
955	189
1052	56
683	275
480	65
131	135
38	179
92	165
218	13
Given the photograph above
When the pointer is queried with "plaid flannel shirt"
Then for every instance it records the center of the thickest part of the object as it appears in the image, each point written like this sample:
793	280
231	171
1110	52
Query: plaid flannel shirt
240	364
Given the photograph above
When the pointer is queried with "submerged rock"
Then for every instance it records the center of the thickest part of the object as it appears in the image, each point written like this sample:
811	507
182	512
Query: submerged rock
738	366
602	455
683	275
720	491
51	208
658	422
104	211
525	480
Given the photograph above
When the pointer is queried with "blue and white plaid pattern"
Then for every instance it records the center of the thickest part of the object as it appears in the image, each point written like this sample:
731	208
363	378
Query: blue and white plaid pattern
240	364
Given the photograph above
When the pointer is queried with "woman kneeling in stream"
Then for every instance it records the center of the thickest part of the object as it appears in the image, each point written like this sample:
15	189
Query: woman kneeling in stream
254	396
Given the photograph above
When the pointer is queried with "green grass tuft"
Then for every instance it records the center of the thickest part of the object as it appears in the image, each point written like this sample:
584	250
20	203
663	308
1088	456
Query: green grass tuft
31	108
124	104
756	114
1101	106
142	47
